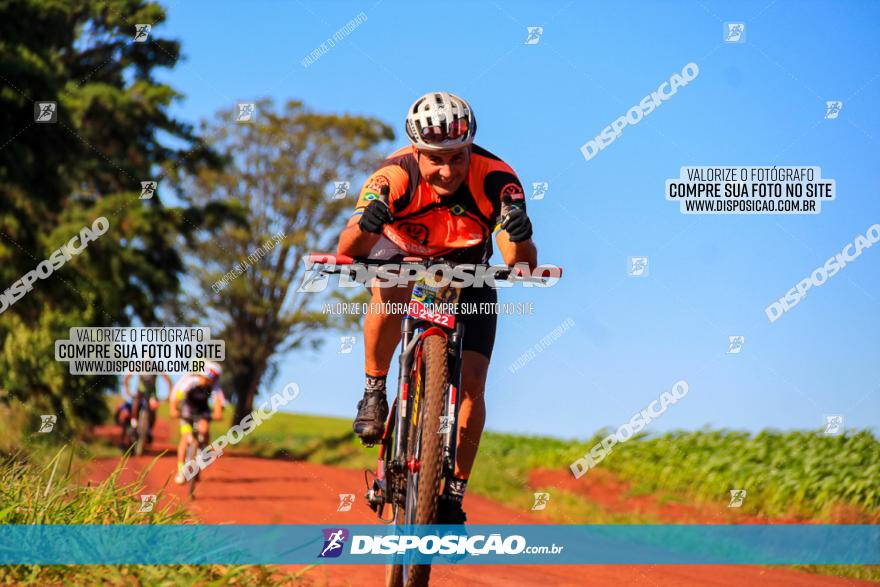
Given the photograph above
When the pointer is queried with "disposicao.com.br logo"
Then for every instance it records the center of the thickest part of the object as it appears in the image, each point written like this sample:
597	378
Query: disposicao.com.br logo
448	544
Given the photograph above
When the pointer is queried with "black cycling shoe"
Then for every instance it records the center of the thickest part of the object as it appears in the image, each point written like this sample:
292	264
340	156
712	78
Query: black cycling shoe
449	512
369	424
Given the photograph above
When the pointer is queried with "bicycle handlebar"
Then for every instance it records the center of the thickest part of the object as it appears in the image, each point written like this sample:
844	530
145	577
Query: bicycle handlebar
325	258
516	271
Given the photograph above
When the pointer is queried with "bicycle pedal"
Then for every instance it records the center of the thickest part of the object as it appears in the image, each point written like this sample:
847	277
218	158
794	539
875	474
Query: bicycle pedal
375	495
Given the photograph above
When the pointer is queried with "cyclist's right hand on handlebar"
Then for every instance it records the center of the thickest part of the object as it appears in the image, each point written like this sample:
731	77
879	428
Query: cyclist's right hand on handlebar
376	215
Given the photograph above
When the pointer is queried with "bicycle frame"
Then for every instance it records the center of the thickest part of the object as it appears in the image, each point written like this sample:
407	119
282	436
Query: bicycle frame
390	485
131	434
143	404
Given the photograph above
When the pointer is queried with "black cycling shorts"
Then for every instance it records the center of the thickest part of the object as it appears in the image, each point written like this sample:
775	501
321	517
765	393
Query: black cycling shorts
192	413
479	327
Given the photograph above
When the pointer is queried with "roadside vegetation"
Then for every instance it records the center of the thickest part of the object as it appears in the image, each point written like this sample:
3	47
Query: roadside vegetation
801	475
40	484
50	493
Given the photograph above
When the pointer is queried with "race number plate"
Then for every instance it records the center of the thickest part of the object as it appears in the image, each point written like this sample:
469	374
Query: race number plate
418	311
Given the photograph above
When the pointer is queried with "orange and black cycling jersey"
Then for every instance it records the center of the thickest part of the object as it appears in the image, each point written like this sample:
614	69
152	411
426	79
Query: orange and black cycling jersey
458	226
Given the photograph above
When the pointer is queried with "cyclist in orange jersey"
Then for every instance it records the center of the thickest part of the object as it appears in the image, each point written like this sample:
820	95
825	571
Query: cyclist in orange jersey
441	196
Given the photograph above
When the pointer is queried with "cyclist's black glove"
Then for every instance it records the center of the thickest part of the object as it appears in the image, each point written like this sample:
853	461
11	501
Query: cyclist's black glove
376	215
517	225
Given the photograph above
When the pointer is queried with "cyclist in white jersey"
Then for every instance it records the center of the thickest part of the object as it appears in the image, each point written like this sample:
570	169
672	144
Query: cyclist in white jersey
196	391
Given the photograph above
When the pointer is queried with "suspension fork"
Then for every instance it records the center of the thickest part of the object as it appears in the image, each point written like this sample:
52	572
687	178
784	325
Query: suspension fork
453	400
403	382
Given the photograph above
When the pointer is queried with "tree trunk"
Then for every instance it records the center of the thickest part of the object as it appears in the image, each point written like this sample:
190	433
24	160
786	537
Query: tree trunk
245	384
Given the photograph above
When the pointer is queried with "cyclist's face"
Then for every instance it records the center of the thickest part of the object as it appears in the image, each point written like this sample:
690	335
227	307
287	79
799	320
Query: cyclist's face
444	170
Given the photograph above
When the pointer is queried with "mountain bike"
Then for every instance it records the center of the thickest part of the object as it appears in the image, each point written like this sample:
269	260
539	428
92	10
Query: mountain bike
418	447
137	436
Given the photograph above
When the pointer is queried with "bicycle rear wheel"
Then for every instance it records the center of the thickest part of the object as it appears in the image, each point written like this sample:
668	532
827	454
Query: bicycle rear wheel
128	439
425	445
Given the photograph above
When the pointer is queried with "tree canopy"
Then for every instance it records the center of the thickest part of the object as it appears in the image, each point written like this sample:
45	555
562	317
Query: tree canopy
56	178
282	170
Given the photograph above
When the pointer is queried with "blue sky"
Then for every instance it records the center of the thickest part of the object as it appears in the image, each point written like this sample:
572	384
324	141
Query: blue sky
761	102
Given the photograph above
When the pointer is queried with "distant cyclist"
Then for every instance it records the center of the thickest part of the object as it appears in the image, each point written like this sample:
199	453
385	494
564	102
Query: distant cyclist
195	391
123	419
146	387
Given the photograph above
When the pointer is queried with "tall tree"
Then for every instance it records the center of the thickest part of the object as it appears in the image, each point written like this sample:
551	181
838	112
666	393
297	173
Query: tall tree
56	178
284	164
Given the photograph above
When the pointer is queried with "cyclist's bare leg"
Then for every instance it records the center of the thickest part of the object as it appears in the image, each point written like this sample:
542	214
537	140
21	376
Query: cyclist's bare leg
181	448
472	412
381	336
382	331
203	428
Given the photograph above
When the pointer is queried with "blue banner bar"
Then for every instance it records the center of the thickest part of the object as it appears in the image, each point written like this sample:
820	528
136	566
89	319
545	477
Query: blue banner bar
479	544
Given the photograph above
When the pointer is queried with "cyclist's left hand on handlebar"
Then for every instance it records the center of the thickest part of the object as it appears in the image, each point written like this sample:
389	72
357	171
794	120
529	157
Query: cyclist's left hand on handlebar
517	225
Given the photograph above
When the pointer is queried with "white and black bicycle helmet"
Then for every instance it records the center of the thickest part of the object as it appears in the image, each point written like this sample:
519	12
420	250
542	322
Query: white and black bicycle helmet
440	120
212	371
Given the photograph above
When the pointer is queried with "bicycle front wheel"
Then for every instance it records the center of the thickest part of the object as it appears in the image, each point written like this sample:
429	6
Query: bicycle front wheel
191	450
425	446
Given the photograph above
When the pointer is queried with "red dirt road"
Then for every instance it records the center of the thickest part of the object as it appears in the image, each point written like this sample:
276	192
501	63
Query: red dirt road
247	490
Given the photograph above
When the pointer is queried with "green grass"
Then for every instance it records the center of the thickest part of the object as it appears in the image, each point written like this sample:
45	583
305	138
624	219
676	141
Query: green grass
795	473
315	439
32	492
